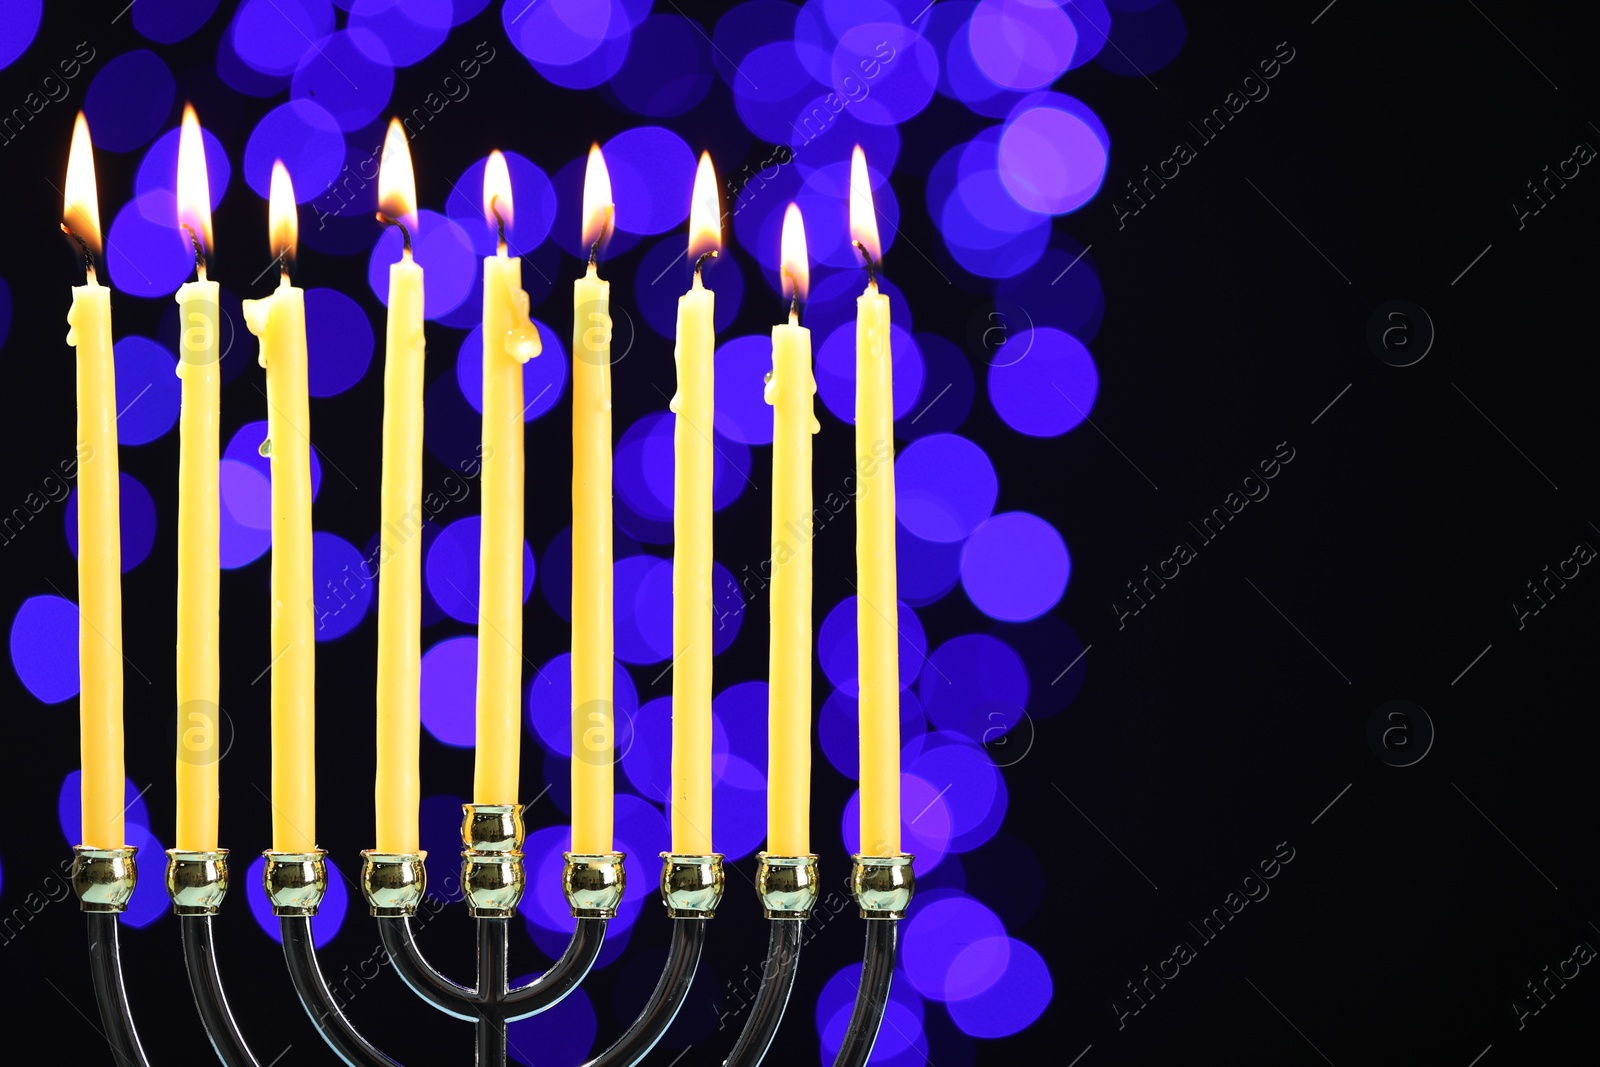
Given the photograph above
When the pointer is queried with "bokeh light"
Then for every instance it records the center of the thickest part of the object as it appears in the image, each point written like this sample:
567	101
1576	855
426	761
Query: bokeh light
742	411
1144	38
924	823
406	31
927	570
129	100
974	685
974	789
170	21
647	85
1018	996
838	649
449	692
666	272
550	706
1051	160
642	616
1015	567
324	925
945	486
69	798
137	521
563	1035
1022	44
148	258
899	1033
935	933
839	729
44	648
339	342
343	582
443	249
836	371
308	140
19	21
148	390
453	573
349	74
544	377
533	201
1048	386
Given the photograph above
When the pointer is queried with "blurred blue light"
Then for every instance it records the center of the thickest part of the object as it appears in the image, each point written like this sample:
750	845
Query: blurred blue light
652	175
1022	44
1048	388
148	258
1063	290
44	650
839	729
741	368
768	87
339	342
900	1032
69	799
129	100
170	21
836	371
945	486
744	28
245	446
306	138
739	807
826	132
1015	567
556	32
324	925
272	35
1051	160
452	569
927	569
1017	998
245	513
838	651
643	835
561	1036
924	823
137	521
1144	38
550	705
444	251
533	201
349	74
343	583
643	618
439	825
742	709
935	935
567	228
824	199
544	377
885	71
449	694
19	21
1093	23
147	390
975	790
241	76
665	274
149	901
832	302
976	686
403	31
947	389
648	85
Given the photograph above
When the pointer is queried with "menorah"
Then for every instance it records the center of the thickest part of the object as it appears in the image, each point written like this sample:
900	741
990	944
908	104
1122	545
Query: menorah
493	879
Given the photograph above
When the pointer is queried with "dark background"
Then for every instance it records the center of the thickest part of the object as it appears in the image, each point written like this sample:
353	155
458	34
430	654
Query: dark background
1227	717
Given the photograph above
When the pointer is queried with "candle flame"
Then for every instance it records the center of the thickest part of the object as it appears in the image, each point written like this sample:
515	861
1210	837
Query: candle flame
397	183
81	214
597	207
705	211
284	217
194	188
863	218
795	264
497	206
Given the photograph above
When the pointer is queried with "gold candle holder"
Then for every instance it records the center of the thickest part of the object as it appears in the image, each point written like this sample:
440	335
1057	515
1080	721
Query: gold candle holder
593	884
691	886
882	885
492	874
393	882
787	885
296	881
104	878
197	881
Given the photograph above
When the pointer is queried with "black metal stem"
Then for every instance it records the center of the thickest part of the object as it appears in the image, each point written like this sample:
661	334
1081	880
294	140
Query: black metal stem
772	996
105	965
318	1000
552	987
200	957
492	981
683	959
877	970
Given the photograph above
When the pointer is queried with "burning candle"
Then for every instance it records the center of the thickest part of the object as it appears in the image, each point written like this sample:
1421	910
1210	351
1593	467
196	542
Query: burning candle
199	561
592	709
398	787
279	321
694	462
790	390
509	341
877	607
99	530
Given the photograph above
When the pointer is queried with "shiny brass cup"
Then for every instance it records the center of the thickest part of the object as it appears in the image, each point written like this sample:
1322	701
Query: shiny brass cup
197	881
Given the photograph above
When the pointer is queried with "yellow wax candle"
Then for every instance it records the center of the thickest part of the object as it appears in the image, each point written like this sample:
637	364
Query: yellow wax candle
790	390
397	788
199	562
99	530
694	462
592	710
280	322
509	340
877	607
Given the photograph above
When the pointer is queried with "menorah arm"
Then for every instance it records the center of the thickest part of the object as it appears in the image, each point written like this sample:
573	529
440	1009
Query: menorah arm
318	999
551	987
399	941
683	959
772	995
872	997
105	965
200	957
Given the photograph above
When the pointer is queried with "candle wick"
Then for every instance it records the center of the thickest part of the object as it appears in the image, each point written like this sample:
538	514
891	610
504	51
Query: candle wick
88	253
872	277
283	266
499	224
594	253
199	251
405	234
700	262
